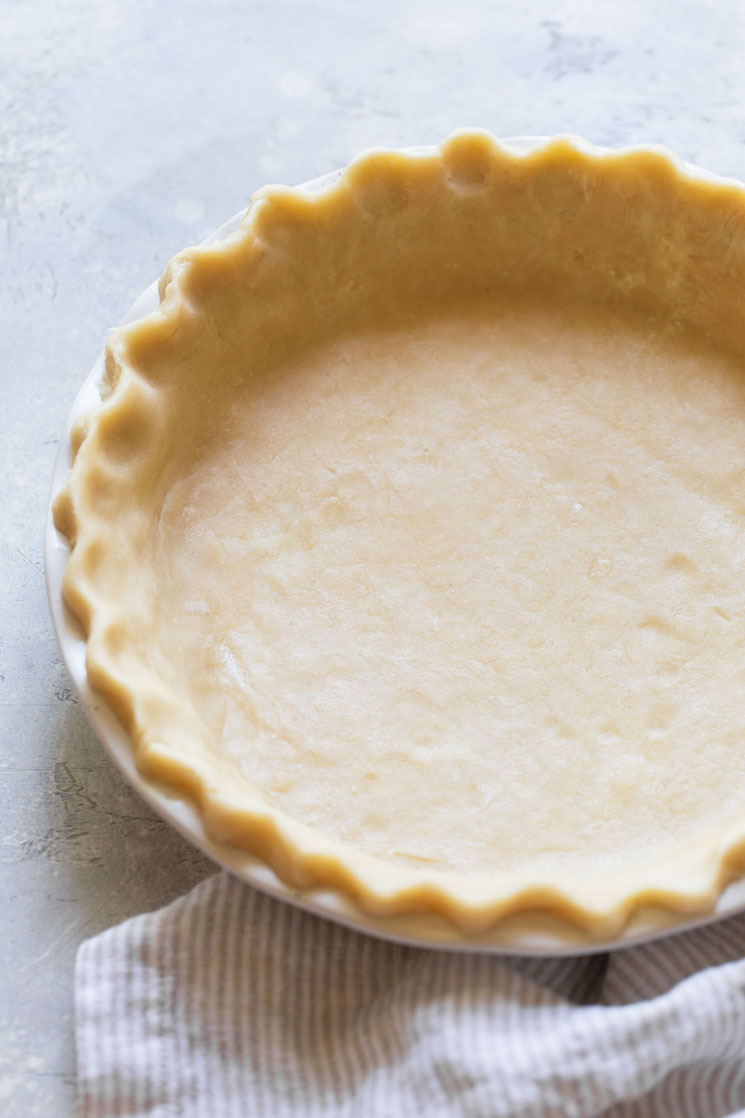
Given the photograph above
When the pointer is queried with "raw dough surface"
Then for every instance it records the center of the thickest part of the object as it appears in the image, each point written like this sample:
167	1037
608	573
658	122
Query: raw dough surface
470	587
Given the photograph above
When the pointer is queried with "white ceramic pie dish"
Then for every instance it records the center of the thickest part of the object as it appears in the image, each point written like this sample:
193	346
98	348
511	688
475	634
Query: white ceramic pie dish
528	933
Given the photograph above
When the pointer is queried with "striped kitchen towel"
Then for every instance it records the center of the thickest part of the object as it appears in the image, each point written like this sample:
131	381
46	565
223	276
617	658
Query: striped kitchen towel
228	1004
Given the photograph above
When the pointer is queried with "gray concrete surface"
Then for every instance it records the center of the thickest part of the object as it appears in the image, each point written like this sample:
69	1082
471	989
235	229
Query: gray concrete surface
130	128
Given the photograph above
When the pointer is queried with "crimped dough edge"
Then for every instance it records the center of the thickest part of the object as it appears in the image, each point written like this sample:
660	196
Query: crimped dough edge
123	435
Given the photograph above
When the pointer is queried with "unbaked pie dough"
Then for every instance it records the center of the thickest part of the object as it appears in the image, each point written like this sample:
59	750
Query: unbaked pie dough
409	536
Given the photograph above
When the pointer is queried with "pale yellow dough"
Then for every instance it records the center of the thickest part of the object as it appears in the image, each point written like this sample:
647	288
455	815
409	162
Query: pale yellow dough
409	538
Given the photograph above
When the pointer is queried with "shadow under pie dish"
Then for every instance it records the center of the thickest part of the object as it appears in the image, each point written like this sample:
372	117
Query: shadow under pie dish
406	538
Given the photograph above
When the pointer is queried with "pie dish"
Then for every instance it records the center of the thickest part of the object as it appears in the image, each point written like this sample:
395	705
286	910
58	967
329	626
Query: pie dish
406	535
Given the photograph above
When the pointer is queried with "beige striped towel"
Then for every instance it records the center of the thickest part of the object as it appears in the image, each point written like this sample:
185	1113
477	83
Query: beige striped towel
228	1004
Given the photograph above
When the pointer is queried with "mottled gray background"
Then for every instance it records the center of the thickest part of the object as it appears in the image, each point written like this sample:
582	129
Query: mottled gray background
129	128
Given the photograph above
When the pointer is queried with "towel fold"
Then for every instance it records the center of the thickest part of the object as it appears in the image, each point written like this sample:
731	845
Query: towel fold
229	1004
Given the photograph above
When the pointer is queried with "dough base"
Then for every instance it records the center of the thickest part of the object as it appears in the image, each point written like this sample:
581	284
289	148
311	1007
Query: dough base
468	590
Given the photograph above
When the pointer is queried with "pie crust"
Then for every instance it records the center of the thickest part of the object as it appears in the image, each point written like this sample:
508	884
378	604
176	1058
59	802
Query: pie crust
406	538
